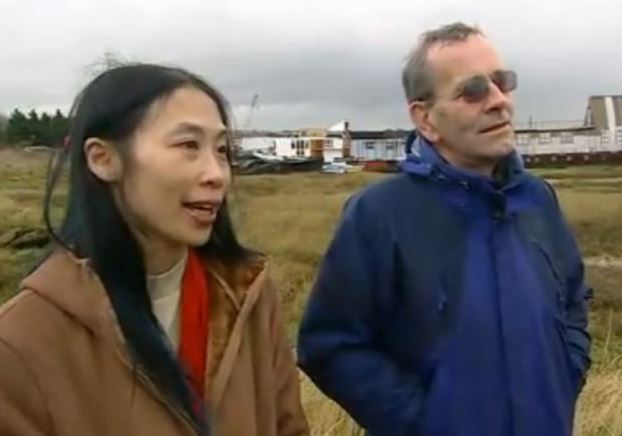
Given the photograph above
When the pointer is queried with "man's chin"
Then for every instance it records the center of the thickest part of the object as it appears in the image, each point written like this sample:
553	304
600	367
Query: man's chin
496	155
503	150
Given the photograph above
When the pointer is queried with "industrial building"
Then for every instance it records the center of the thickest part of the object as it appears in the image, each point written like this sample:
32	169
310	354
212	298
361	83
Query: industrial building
595	138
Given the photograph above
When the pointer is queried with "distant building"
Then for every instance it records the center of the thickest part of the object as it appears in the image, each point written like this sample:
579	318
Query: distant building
327	144
604	112
379	145
598	136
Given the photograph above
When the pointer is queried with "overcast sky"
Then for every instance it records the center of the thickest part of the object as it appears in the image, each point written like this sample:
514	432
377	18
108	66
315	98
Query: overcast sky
311	62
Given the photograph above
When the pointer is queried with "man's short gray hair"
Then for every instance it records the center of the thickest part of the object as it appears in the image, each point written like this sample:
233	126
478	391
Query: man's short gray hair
416	79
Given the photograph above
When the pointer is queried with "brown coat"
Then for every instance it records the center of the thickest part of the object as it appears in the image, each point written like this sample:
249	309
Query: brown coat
65	371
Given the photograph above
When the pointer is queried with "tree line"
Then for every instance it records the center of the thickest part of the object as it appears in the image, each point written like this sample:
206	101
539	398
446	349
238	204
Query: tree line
42	128
33	128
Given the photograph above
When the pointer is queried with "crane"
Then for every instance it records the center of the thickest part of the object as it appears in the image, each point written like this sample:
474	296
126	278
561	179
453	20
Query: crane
246	126
252	108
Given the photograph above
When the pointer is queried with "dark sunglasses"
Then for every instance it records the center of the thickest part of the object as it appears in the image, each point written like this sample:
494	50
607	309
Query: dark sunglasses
477	88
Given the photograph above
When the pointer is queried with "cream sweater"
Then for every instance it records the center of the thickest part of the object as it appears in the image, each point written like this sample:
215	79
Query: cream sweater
165	291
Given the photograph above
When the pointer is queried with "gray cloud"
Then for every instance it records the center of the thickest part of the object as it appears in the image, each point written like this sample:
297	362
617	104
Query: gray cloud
311	63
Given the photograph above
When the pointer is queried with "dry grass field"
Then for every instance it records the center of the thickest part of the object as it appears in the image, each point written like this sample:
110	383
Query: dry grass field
291	217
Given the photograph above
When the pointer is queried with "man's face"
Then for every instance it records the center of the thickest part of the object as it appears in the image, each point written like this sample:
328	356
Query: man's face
470	133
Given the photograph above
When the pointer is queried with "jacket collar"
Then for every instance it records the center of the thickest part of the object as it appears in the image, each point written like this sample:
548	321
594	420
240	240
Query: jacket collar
424	160
70	284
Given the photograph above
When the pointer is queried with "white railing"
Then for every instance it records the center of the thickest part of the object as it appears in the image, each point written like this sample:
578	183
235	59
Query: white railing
605	142
549	125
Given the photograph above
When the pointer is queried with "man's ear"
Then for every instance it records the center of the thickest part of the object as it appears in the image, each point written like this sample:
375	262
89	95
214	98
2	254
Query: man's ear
103	159
422	117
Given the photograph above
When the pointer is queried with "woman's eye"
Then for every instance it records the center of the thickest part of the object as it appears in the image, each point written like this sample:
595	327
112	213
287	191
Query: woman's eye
190	144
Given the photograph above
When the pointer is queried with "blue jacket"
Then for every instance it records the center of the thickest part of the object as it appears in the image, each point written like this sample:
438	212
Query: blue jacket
449	304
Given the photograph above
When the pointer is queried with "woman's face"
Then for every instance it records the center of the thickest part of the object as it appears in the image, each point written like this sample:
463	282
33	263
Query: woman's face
177	173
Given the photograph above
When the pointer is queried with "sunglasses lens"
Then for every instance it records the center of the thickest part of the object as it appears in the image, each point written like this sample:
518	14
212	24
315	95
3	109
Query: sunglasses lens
476	89
506	81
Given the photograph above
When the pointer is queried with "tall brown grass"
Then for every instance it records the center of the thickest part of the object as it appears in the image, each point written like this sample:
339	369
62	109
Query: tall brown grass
292	219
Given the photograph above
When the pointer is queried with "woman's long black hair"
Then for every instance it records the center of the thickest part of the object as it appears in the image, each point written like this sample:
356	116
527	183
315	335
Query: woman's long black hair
112	107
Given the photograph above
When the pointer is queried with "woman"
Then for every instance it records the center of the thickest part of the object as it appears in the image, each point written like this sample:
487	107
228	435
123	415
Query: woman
149	312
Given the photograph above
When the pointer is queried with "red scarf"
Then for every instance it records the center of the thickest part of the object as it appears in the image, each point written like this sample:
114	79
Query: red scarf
194	323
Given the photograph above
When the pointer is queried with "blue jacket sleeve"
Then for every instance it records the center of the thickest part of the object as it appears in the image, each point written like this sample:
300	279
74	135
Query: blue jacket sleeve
340	345
577	297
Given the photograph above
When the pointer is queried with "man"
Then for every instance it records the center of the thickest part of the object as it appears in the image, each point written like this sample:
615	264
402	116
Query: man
451	300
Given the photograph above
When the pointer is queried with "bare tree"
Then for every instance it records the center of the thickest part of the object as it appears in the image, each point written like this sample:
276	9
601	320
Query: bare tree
4	121
110	59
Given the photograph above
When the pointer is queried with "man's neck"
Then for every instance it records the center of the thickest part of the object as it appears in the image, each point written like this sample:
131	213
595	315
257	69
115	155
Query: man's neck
483	168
